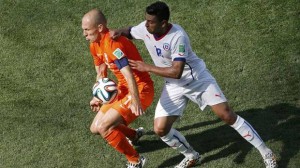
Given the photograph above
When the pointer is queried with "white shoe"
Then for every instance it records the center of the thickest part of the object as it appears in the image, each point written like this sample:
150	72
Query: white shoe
141	163
270	160
188	162
139	133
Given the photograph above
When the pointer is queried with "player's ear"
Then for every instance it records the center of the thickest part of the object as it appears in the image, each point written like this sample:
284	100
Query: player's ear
100	27
164	23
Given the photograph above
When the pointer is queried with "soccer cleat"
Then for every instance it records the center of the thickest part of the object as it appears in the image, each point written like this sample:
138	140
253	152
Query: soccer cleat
270	160
141	163
188	162
139	133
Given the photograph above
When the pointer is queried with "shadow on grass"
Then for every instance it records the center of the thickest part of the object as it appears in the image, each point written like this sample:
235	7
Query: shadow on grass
280	122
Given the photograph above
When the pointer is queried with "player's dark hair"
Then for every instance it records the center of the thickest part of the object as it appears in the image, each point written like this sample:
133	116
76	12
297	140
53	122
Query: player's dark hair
160	10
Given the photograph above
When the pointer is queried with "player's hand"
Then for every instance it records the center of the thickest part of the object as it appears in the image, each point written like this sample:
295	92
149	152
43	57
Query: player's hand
136	109
139	65
114	34
95	104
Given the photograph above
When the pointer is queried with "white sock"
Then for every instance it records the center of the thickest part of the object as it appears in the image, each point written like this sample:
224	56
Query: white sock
247	132
177	141
263	150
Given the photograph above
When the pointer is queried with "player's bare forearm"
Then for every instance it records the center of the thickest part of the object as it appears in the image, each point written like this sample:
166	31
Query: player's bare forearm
175	71
101	71
133	90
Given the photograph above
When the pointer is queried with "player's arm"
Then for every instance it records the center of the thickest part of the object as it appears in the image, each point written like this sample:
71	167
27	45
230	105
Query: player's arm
175	71
100	66
125	69
178	54
101	71
114	34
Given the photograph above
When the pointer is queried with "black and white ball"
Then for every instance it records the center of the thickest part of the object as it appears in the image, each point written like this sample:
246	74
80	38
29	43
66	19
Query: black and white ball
106	90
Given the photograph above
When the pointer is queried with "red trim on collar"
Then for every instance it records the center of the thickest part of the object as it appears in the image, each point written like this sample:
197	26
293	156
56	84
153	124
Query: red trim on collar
162	36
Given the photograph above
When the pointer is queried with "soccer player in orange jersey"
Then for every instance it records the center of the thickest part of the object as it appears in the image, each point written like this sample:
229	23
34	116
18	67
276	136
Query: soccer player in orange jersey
136	89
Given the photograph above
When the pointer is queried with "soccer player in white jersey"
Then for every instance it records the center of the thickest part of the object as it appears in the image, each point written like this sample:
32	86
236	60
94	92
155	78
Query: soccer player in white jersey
186	77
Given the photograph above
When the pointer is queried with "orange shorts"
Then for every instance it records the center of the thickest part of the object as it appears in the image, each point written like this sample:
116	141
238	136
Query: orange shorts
122	104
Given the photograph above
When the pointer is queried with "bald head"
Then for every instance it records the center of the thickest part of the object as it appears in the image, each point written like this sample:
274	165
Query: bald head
95	17
94	25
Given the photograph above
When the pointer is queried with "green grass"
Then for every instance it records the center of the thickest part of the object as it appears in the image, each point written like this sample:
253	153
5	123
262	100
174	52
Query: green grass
252	48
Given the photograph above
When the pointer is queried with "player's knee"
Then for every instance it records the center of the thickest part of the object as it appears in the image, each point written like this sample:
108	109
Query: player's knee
162	126
224	112
229	117
93	129
102	129
161	131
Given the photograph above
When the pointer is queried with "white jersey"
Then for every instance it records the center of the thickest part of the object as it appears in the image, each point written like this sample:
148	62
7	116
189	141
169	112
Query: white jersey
173	46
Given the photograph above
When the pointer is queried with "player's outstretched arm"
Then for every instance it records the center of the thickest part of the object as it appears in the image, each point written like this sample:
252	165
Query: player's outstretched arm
175	71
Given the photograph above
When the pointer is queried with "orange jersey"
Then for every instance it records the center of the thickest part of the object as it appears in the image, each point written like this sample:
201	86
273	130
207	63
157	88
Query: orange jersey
108	50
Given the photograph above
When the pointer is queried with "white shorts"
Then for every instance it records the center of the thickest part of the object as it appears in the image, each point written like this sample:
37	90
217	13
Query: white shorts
203	92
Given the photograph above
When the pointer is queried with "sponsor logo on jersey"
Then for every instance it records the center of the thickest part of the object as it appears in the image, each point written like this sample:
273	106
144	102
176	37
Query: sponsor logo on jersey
181	49
118	53
166	46
158	52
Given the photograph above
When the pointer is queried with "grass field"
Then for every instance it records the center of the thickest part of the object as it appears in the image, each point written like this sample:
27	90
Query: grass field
251	47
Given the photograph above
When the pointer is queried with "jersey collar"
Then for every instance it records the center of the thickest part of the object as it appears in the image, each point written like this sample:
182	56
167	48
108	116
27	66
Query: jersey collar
157	38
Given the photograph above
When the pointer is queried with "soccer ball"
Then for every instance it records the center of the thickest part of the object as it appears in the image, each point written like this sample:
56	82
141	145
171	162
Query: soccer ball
106	90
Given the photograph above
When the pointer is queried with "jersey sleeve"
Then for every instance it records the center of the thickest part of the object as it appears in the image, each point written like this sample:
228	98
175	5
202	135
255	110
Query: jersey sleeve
179	49
97	60
138	31
117	50
119	53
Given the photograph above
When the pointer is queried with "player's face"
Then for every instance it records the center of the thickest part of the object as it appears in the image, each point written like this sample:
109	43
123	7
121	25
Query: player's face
153	25
90	31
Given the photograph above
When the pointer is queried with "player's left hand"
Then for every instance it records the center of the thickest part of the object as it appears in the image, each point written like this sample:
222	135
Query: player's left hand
139	65
95	104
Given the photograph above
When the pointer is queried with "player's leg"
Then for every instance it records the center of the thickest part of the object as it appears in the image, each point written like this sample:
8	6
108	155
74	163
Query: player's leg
133	135
95	124
214	97
107	129
128	132
169	108
223	111
245	129
122	107
172	137
146	95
